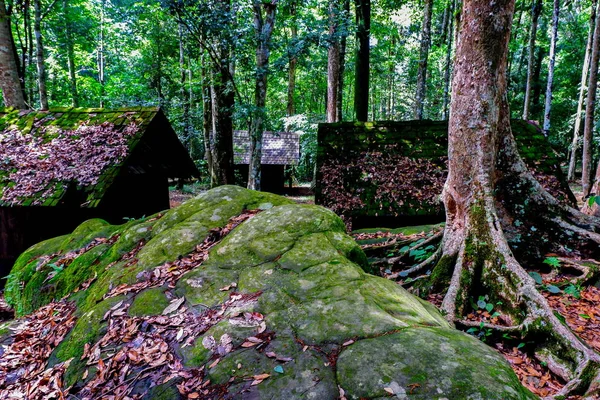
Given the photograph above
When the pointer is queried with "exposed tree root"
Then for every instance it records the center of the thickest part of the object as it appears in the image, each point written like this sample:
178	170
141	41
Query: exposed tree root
479	247
397	259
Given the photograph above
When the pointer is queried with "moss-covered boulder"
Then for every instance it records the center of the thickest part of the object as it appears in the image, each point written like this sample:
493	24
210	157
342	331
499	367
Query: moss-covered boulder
210	300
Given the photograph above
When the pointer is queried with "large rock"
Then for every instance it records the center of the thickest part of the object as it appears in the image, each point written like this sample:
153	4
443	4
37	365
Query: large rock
286	293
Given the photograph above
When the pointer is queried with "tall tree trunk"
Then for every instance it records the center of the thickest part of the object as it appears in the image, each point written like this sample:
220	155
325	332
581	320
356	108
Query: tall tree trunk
514	36
28	84
448	67
487	189
101	58
70	54
185	96
588	127
423	60
207	119
39	54
548	102
223	103
291	89
264	21
333	62
361	84
536	9
343	43
9	74
582	93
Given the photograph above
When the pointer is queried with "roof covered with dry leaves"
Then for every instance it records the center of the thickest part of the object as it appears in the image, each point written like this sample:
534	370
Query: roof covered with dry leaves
45	154
279	148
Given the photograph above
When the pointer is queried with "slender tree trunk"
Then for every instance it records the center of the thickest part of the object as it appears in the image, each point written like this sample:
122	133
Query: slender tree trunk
588	127
9	74
291	89
423	59
207	119
23	41
333	62
448	70
361	85
582	93
514	36
28	84
535	14
185	96
223	103
70	54
101	58
343	43
39	53
548	105
264	21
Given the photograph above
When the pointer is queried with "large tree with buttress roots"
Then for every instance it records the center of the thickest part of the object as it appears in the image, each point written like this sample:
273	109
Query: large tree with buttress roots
488	189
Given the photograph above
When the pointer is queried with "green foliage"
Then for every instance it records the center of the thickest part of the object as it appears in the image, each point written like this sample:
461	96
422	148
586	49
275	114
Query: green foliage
554	262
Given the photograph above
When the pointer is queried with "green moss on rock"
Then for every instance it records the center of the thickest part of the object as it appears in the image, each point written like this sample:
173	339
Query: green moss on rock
444	363
149	302
311	284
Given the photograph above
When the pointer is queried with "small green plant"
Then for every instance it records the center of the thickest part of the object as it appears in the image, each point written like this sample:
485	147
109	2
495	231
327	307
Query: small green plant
481	332
573	290
593	199
554	262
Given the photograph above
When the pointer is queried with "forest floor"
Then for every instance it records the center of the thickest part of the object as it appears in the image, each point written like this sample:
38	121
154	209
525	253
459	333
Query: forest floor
576	305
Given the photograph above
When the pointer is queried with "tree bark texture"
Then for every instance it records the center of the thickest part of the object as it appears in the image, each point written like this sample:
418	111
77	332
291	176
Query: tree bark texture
333	62
590	106
264	21
582	94
423	59
536	9
551	62
361	85
9	75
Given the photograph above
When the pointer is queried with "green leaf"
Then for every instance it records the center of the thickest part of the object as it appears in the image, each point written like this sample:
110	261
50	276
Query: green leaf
489	307
521	345
560	317
584	316
553	289
597	199
573	291
592	200
472	330
278	369
552	261
536	277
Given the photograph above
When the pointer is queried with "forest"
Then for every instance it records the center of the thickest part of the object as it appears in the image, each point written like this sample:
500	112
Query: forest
469	127
127	53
